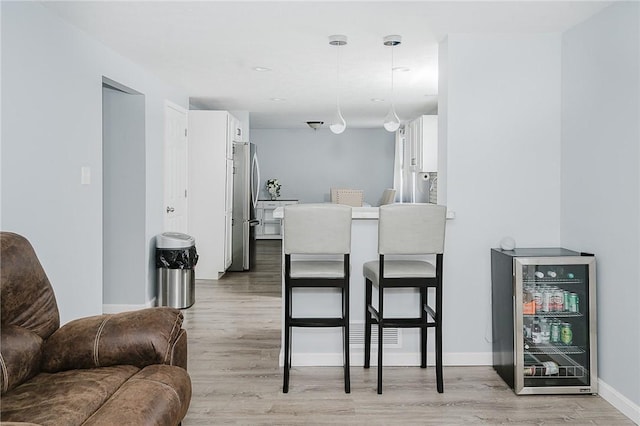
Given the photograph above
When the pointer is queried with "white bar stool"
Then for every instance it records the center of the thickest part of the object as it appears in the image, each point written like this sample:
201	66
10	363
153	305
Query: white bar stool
407	229
322	230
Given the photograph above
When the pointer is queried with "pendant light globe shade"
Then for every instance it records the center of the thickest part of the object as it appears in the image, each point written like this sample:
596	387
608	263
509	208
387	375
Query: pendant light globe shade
338	124
391	121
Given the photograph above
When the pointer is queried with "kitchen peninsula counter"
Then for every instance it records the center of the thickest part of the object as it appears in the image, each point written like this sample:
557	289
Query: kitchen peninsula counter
357	213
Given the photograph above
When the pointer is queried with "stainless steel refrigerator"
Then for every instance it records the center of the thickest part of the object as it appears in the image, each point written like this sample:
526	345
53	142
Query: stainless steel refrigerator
246	187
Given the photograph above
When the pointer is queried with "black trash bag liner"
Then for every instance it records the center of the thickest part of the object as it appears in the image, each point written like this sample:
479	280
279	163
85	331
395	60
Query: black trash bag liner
182	258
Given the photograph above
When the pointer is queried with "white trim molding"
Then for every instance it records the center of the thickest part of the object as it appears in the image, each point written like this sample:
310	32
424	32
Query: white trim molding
619	401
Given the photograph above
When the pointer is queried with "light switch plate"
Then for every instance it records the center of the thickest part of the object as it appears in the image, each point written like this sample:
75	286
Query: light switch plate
85	175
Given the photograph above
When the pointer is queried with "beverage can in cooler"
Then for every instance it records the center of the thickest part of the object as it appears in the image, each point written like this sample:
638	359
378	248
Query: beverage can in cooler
555	332
537	297
566	333
558	300
573	302
546	301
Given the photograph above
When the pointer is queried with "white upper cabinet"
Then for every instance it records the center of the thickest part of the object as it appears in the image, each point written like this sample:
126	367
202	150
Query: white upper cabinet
429	143
236	127
422	141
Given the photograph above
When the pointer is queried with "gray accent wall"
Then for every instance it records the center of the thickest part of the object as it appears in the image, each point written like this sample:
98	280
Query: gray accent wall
308	163
500	112
601	179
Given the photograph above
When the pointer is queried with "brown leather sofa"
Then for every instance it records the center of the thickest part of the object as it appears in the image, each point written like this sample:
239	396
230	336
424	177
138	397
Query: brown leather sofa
121	369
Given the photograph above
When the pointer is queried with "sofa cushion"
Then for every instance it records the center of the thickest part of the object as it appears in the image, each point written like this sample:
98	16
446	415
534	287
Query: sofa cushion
157	395
20	353
139	338
27	296
65	398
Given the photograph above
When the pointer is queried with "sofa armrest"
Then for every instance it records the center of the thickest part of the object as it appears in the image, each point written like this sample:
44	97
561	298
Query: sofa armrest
139	338
20	355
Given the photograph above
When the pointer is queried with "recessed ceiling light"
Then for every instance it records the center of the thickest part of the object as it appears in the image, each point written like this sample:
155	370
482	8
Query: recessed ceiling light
377	100
261	69
278	99
401	69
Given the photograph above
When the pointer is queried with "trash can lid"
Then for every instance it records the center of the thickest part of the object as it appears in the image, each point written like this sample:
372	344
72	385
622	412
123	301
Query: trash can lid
175	240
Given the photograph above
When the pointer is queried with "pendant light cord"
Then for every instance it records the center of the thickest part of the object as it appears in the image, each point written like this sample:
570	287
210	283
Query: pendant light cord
338	76
392	63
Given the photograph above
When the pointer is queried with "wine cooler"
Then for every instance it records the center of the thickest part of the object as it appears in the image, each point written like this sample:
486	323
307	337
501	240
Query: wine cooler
544	320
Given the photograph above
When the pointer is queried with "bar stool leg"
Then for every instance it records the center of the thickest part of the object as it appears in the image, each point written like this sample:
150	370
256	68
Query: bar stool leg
423	329
380	335
438	319
287	338
439	379
345	315
367	324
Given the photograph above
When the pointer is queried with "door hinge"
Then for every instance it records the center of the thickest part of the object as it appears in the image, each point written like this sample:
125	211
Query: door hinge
185	132
234	170
185	193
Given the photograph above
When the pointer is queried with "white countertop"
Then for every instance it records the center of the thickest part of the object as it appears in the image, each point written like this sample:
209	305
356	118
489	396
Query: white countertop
357	213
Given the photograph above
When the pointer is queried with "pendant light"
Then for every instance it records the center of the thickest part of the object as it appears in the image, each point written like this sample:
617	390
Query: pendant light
337	123
391	121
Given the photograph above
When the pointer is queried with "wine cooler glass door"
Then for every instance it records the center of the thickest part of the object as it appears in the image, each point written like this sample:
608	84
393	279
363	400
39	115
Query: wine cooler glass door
555	325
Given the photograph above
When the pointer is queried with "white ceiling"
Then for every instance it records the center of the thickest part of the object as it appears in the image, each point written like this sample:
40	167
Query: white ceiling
210	48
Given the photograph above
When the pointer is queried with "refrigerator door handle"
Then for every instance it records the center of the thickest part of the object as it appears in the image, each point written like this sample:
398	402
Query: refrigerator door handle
255	190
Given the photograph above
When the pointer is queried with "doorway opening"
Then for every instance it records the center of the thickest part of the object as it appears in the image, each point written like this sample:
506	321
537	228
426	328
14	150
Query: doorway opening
124	265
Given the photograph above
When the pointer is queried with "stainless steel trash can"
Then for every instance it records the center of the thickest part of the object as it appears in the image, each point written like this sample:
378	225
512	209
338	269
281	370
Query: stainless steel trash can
176	258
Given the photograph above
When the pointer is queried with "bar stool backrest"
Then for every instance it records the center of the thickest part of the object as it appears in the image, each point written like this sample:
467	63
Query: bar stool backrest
411	229
388	196
317	229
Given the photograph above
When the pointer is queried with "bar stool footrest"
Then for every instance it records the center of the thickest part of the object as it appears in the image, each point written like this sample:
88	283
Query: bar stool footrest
317	322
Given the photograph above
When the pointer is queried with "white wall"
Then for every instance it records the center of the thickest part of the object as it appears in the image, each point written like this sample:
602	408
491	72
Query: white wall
308	163
51	127
601	179
502	100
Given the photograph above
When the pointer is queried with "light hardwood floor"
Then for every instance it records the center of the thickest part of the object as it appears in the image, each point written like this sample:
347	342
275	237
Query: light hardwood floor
234	341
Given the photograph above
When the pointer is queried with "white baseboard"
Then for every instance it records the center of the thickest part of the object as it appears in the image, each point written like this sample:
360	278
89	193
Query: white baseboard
334	359
114	309
619	401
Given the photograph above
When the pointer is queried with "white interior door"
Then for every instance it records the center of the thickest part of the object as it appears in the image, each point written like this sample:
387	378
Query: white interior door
175	168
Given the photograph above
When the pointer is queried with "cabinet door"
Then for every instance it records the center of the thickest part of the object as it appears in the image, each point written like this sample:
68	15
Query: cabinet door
228	190
429	143
260	218
228	245
228	215
229	139
237	131
415	145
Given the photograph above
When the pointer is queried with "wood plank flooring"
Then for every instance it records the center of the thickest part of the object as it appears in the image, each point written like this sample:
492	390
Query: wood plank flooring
234	341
